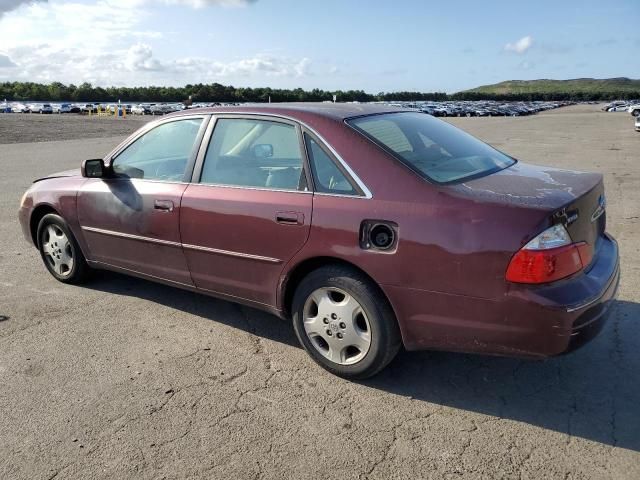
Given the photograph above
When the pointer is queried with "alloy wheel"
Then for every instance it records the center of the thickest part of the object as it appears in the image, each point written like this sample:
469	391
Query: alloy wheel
337	325
57	250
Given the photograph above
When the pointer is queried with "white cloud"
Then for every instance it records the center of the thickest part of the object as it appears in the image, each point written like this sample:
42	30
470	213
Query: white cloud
8	5
268	65
137	65
140	57
73	42
521	46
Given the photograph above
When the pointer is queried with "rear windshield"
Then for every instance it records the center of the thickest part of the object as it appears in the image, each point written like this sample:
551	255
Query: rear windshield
432	148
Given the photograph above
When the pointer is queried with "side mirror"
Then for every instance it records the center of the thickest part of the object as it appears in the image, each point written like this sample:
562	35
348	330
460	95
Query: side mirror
262	150
93	168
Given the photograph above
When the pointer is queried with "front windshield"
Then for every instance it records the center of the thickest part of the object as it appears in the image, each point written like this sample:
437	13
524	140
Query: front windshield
431	147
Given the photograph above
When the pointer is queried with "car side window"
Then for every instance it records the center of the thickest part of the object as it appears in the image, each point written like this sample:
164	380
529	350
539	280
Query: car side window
254	153
328	178
160	154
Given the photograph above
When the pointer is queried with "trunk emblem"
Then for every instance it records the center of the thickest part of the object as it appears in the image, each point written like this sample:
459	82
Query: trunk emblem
597	213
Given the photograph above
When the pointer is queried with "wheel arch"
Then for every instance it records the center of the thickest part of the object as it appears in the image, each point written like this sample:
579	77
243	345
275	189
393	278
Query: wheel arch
36	215
306	266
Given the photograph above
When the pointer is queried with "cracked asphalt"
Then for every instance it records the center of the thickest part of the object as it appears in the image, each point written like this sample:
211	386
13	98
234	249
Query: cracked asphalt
123	378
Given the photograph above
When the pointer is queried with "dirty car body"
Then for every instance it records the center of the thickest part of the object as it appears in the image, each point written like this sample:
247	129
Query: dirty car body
449	273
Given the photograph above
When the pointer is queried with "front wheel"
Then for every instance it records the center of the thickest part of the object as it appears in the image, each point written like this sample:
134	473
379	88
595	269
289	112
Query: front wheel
345	323
60	251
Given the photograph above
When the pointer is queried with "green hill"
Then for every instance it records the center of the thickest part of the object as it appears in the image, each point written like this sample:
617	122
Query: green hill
580	87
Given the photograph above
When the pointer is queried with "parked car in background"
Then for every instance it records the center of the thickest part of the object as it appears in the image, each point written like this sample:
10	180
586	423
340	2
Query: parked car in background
40	108
368	227
61	107
163	109
139	110
612	105
19	108
619	108
88	108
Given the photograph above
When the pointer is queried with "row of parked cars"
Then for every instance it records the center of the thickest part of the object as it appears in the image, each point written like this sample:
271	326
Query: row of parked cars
164	108
486	108
631	106
6	107
438	109
136	109
18	107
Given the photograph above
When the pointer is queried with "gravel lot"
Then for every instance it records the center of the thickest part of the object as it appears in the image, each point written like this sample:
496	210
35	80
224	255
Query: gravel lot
124	378
32	127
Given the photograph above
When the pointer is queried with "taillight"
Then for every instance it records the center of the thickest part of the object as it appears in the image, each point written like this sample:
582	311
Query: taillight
549	257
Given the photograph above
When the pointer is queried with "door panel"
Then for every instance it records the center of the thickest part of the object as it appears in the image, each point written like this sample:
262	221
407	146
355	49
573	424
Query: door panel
237	240
132	218
134	224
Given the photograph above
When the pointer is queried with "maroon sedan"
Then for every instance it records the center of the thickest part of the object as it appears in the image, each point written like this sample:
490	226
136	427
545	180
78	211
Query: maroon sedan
369	227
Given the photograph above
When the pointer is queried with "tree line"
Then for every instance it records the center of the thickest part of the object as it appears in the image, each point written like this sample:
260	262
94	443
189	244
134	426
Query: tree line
215	92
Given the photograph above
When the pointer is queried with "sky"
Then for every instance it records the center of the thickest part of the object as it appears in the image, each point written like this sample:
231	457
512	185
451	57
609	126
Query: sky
373	45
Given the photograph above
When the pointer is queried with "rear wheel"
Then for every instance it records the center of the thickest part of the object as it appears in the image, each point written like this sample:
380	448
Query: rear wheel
345	323
60	251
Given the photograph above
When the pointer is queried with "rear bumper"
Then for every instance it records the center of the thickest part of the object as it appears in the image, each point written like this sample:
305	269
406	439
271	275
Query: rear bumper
527	321
591	321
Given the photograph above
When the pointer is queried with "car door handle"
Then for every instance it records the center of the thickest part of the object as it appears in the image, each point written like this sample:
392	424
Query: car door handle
164	205
290	218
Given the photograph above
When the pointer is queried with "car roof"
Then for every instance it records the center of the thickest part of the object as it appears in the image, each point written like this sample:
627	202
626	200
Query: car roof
300	111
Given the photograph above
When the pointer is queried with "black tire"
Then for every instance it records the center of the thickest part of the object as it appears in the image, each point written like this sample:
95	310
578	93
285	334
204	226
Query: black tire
385	333
79	271
636	112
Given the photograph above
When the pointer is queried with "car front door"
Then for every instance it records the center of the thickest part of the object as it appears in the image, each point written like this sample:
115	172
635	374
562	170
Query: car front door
131	218
248	210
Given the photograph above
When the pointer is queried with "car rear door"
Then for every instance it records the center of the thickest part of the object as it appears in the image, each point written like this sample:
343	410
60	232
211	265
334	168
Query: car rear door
248	209
131	220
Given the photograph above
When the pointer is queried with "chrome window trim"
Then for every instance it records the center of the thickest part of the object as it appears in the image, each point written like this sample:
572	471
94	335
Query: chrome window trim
169	243
341	195
243	187
352	174
148	180
151	180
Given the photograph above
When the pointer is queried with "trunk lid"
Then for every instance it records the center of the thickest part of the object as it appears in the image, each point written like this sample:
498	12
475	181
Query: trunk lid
575	199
